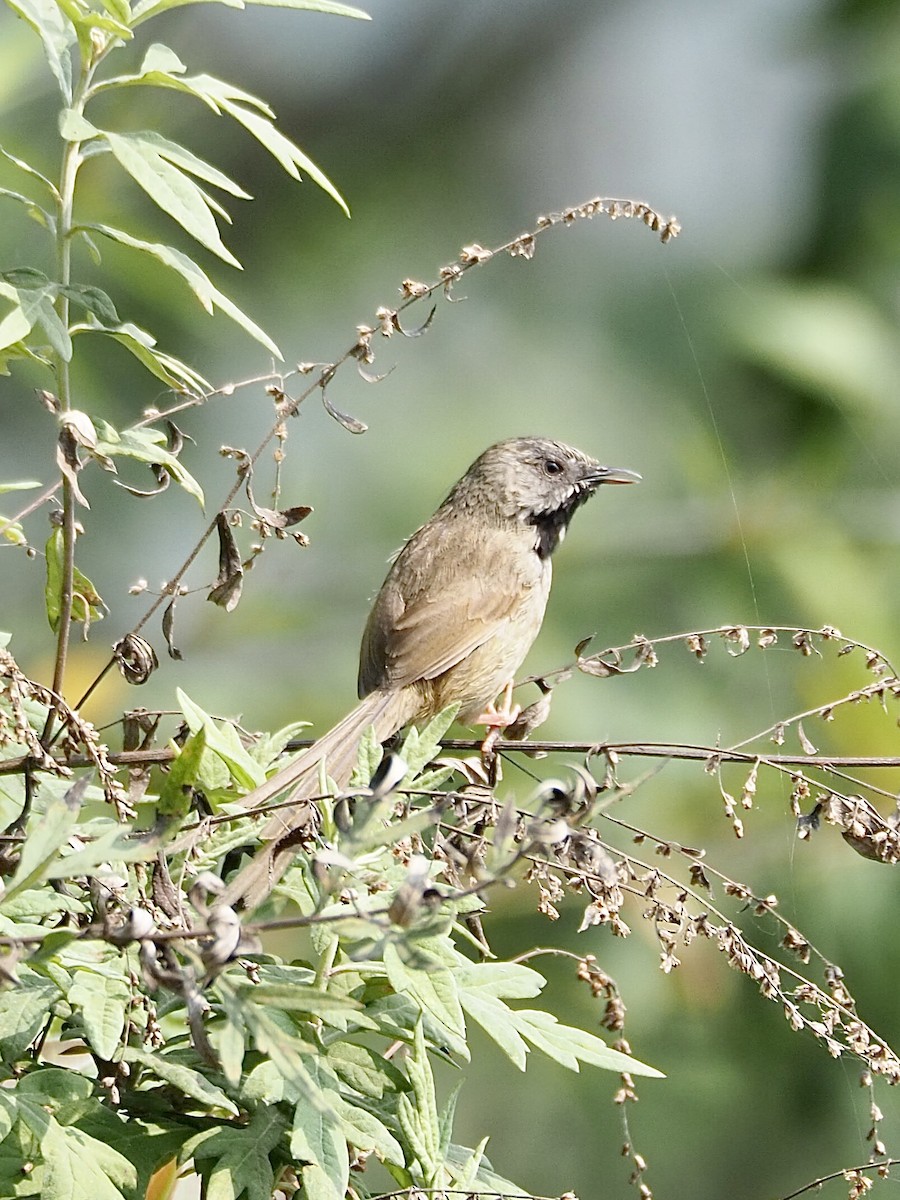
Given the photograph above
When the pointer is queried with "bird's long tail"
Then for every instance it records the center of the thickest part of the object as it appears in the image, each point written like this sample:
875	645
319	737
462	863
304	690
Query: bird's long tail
337	749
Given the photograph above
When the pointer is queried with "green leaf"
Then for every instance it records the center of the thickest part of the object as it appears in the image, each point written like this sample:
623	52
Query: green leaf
76	1166
87	605
196	279
285	1051
146	1145
24	486
317	1140
365	1071
241	1157
46	832
174	373
466	1174
223	741
418	1118
64	1093
290	157
144	10
74	128
368	757
422	745
146	445
486	1179
298	998
432	987
175	793
483	988
57	35
493	1017
186	1080
103	1001
499	979
823	337
31	171
94	300
445	1119
149	160
21	318
34	210
24	1010
569	1046
366	1132
116	844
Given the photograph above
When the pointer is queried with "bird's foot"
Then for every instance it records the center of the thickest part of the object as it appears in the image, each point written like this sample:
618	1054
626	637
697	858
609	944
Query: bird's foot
497	719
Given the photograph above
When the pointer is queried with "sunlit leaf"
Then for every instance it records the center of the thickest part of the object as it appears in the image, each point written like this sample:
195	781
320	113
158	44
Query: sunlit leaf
57	35
146	9
171	187
196	279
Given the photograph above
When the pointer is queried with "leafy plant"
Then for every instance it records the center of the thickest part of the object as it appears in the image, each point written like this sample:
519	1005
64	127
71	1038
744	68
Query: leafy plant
184	1040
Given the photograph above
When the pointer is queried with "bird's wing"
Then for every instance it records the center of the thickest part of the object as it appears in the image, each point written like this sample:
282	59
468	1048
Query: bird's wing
447	594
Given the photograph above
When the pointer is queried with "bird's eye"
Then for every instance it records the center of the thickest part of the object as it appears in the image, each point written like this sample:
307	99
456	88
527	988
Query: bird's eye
552	466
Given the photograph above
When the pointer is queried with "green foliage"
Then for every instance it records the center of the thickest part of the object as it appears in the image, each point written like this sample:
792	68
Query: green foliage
186	1038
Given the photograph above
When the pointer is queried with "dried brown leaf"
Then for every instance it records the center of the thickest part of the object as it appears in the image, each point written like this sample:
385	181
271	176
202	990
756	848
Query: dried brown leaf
226	591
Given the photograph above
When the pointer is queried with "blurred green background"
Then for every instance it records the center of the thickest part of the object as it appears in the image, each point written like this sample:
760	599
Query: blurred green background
749	371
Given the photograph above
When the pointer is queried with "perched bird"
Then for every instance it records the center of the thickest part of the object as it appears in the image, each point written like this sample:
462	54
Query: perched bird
460	607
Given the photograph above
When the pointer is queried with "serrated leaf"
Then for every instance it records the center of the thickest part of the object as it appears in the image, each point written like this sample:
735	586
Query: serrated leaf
316	1139
493	1017
170	187
242	1166
103	1001
76	1165
368	756
568	1046
24	1010
433	988
486	1179
499	979
422	745
223	741
366	1132
365	1071
286	1052
297	998
466	1174
445	1119
419	1119
186	1080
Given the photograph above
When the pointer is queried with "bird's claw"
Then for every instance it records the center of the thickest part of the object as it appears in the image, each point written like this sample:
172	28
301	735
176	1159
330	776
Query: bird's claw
498	718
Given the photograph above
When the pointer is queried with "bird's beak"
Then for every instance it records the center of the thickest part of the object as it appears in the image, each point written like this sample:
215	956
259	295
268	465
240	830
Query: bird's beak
612	475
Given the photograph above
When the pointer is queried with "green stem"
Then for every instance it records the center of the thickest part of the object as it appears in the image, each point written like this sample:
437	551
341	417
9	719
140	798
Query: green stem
69	167
326	964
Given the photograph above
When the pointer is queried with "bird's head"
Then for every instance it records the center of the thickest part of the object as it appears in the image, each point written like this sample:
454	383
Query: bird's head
536	481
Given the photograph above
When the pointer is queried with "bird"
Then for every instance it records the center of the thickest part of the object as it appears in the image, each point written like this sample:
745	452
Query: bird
459	609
